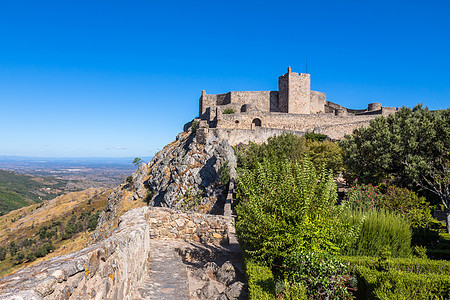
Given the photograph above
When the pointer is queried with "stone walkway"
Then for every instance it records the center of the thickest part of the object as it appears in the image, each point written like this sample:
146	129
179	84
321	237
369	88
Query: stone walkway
167	278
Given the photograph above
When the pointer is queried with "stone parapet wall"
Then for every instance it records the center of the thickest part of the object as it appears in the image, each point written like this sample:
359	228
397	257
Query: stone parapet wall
244	136
117	266
189	226
337	132
294	122
107	270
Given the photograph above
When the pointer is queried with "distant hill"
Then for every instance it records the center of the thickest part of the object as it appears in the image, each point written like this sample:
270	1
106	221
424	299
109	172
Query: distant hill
18	190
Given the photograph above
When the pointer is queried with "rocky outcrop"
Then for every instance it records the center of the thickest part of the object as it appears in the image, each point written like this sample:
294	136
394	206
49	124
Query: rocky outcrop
186	174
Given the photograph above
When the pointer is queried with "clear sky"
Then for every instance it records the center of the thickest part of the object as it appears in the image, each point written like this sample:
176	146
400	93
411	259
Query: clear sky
120	78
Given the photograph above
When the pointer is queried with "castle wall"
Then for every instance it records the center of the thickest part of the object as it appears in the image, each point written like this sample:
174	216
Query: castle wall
244	136
318	101
261	99
209	100
294	122
283	93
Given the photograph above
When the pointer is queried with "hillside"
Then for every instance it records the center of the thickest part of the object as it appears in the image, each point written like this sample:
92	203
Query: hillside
18	190
55	227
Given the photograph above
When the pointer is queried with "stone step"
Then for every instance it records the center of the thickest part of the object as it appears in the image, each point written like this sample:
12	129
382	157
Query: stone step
167	277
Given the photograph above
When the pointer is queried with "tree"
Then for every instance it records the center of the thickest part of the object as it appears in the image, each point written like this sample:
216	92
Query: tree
137	161
410	148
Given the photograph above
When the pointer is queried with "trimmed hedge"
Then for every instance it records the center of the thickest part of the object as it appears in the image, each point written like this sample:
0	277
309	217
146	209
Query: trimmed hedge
261	284
409	265
395	284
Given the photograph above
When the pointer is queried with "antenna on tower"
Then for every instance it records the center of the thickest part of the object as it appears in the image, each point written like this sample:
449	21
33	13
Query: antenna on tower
306	65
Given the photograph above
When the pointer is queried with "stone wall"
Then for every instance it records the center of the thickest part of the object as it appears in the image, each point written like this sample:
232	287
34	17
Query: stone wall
107	270
294	122
244	136
261	99
318	101
189	226
337	132
117	266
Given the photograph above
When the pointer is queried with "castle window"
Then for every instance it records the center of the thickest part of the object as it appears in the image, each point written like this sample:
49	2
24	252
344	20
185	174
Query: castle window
256	122
237	121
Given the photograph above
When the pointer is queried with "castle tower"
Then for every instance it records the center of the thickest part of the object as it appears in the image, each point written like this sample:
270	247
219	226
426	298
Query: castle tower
294	93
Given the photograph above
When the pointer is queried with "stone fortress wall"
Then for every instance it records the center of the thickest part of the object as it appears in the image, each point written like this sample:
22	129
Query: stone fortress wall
116	267
294	107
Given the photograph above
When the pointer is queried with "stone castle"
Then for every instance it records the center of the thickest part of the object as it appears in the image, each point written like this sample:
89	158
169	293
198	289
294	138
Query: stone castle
256	115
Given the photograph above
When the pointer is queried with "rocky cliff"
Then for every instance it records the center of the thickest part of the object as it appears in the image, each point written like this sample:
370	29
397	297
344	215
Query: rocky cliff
184	175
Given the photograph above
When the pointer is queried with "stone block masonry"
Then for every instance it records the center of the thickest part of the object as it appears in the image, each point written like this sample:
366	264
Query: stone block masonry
188	226
118	266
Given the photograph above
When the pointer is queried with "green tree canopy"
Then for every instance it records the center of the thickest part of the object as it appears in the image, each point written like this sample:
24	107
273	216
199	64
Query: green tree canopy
409	148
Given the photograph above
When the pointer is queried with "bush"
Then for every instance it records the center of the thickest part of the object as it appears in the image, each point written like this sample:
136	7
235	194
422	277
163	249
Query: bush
2	253
394	284
410	265
13	248
93	221
379	230
318	137
225	174
31	257
284	146
194	127
261	284
362	197
406	202
286	206
228	111
20	256
321	273
326	153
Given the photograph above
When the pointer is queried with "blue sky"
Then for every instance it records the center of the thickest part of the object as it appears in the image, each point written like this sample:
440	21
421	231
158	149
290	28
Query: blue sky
120	78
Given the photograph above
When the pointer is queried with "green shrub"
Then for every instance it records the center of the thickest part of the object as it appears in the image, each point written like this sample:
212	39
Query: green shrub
318	137
326	153
194	127
2	253
380	229
13	248
410	265
225	174
284	146
406	202
31	257
287	206
362	196
228	111
321	273
129	180
295	291
261	284
93	221
19	257
394	284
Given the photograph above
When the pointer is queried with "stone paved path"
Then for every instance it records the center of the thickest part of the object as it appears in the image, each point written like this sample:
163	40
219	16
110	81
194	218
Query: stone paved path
167	278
